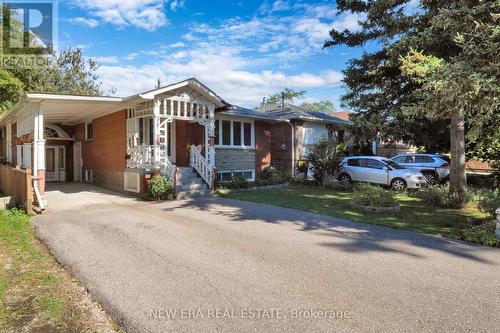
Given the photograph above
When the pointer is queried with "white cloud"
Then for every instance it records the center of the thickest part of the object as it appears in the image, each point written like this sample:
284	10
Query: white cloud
189	37
280	5
176	4
243	59
88	22
234	81
145	14
107	60
298	31
177	45
131	56
348	21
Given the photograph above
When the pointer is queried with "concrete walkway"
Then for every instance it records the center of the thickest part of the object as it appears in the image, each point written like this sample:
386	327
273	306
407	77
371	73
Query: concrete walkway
222	265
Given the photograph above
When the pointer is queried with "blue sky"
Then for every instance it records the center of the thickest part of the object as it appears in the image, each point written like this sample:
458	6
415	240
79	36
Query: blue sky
242	50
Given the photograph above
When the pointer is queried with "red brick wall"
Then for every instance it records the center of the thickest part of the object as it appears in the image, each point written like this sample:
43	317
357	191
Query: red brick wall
106	151
187	134
263	141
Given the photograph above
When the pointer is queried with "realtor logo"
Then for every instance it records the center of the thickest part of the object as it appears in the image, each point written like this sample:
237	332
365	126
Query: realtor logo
28	26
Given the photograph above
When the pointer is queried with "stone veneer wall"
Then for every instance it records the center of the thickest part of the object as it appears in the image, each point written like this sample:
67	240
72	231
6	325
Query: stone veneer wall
234	159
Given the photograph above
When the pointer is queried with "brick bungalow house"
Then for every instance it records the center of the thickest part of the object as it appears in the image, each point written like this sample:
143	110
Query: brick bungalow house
118	143
308	127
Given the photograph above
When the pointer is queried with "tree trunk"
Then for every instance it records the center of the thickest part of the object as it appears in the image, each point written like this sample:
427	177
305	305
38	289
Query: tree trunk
458	177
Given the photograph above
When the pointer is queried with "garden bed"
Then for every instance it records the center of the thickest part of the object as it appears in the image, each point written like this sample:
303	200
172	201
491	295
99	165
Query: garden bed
253	188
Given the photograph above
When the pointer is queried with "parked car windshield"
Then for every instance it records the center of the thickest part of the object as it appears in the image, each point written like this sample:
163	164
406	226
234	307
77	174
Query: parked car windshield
394	165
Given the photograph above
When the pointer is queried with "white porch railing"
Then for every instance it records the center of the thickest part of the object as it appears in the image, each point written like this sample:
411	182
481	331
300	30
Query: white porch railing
140	156
168	169
201	165
144	156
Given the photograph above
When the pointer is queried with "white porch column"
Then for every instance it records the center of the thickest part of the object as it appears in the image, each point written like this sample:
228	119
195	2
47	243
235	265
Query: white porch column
38	160
211	136
156	131
8	140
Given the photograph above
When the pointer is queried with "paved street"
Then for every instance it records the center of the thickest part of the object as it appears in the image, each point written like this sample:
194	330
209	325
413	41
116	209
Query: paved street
214	264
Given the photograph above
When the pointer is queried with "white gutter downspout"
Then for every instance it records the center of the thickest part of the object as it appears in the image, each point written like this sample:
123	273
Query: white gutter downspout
293	147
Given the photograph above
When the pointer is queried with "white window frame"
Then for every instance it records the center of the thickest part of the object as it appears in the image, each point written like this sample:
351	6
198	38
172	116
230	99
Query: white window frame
86	131
252	179
232	145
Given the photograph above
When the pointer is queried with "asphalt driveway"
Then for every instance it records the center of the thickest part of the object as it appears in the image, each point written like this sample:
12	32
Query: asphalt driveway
213	264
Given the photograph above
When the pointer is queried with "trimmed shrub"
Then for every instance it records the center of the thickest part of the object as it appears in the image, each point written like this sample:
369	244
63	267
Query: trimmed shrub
271	176
438	196
324	157
371	195
270	172
160	188
487	200
238	182
482	234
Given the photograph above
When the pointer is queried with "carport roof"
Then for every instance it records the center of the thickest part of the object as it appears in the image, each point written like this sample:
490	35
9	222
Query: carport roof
68	109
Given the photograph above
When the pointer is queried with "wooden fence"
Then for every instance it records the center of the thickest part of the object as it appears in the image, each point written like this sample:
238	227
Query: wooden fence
16	182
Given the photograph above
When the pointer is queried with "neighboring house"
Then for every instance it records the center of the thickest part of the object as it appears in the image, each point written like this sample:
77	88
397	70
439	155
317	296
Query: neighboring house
379	147
305	128
119	143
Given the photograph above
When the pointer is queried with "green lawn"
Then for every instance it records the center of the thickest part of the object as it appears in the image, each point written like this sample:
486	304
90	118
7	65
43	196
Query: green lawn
413	216
36	294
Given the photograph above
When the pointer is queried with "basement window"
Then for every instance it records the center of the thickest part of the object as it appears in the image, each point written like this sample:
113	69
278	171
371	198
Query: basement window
227	176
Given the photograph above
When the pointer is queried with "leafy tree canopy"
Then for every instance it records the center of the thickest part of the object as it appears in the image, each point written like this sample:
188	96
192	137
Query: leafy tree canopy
322	106
68	72
434	64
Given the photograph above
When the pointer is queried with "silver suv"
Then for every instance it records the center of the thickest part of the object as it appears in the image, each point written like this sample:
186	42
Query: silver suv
434	167
379	170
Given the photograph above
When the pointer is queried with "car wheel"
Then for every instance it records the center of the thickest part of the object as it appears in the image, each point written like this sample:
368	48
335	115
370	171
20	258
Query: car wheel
345	179
398	184
431	177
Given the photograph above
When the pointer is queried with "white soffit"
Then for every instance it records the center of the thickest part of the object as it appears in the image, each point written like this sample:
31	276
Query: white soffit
72	110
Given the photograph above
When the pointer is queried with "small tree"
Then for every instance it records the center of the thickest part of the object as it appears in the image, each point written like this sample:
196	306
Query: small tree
287	95
323	106
324	157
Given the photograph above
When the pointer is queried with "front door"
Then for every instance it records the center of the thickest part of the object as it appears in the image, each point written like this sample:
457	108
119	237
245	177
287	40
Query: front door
55	163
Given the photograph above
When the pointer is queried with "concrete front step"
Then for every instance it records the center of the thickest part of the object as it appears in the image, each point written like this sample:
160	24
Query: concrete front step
188	177
190	184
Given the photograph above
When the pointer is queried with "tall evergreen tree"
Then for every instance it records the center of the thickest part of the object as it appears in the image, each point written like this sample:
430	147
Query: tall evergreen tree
388	100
